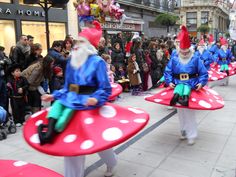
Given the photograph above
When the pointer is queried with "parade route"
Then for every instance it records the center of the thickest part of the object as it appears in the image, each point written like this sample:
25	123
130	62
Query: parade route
157	150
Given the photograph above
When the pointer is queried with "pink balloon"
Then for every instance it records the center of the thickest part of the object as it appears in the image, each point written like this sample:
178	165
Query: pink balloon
83	9
104	5
116	12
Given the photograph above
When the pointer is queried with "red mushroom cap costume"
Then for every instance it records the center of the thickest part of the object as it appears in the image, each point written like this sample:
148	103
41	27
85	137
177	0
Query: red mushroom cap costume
11	168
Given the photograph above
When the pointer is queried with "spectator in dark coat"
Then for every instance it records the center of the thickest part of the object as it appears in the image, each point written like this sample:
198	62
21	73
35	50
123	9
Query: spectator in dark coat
156	67
21	51
36	51
119	39
117	56
55	53
102	48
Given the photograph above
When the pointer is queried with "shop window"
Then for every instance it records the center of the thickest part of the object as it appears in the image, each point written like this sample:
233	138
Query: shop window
8	35
37	30
191	19
21	2
204	17
5	1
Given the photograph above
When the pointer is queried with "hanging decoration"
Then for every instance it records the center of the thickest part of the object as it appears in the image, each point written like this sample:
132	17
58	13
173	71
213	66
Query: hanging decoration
90	10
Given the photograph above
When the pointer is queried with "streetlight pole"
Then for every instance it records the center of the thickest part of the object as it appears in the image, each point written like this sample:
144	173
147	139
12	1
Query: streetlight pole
46	6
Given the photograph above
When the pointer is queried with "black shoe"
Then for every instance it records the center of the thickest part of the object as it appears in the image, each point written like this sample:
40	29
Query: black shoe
227	72
48	135
174	100
184	101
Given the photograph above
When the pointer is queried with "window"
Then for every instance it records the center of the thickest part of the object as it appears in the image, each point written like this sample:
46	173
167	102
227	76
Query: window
8	35
191	19
204	17
37	30
6	1
21	2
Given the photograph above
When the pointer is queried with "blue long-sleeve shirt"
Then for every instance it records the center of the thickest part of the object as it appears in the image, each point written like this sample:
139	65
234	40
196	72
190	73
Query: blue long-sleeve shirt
92	73
194	66
224	57
206	58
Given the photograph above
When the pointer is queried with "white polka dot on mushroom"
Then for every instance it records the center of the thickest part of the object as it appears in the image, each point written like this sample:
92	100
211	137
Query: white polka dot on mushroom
214	78
220	101
147	96
112	134
140	120
87	144
35	139
114	85
158	100
124	121
107	111
70	138
216	97
204	104
211	100
19	163
194	99
136	111
39	122
89	121
213	92
164	93
37	114
210	72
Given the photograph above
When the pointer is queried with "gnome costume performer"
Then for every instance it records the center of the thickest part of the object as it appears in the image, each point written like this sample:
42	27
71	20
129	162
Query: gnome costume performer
185	72
186	76
204	54
224	56
80	121
80	92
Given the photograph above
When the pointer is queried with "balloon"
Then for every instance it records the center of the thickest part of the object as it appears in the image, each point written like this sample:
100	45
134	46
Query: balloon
104	5
94	10
83	9
116	11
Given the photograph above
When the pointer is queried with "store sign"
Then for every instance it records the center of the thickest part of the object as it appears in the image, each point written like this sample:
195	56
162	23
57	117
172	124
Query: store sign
27	12
124	27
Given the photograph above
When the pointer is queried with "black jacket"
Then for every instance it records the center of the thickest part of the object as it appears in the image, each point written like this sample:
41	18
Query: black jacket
18	57
13	85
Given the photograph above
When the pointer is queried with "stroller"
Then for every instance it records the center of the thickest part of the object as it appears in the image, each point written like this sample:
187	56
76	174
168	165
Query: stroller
7	125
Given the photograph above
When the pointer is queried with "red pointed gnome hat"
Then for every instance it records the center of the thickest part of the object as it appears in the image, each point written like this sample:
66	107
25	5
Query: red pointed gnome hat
184	38
93	35
223	41
201	43
211	38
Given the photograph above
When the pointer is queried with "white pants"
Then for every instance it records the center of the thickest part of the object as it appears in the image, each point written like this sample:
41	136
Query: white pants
188	123
74	166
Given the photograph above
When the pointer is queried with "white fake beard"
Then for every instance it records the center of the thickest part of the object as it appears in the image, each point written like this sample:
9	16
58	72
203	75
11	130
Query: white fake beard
185	59
80	56
224	48
201	49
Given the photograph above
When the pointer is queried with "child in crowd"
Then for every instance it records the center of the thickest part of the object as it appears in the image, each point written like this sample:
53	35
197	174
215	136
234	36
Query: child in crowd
17	89
110	73
58	79
134	75
121	78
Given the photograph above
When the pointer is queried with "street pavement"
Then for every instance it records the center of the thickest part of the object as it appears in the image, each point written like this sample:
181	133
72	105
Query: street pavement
157	151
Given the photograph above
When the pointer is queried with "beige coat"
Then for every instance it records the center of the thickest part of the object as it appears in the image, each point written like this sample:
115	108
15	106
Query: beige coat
34	75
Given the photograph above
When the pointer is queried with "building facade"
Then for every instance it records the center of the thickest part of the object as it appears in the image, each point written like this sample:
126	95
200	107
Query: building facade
17	18
146	11
142	15
194	13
